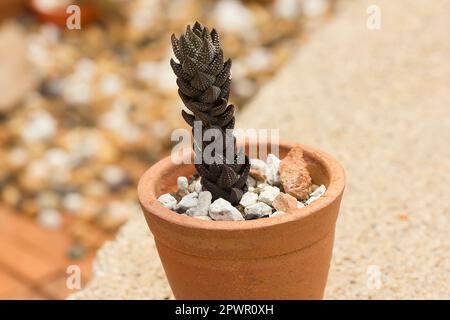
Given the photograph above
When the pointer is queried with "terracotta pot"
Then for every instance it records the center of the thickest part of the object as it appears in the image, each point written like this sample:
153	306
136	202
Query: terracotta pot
284	257
58	15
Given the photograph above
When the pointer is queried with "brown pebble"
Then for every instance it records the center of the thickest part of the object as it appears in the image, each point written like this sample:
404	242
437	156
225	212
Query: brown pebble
258	175
294	175
284	202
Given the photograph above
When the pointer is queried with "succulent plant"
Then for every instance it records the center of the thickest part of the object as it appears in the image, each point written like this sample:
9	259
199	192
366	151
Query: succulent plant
203	79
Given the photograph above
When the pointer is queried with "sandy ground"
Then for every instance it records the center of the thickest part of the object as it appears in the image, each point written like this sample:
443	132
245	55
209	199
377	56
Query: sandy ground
379	101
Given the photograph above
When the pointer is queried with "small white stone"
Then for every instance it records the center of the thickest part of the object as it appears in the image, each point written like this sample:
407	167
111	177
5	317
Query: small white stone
195	186
300	204
232	16
268	194
202	208
311	200
57	158
49	218
271	171
315	8
188	201
168	201
222	210
319	191
261	184
39	127
251	182
206	218
248	199
258	164
113	175
257	210
276	213
110	84
182	184
259	59
73	202
287	9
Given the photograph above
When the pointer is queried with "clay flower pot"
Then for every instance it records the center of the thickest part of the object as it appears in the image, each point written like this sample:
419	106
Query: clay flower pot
283	257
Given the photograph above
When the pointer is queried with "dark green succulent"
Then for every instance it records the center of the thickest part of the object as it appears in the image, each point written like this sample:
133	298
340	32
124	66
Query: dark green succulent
203	78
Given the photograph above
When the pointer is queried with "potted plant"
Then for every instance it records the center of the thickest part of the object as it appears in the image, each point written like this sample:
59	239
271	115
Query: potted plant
242	228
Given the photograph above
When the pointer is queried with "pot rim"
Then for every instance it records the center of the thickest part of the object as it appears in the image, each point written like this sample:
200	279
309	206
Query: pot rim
148	199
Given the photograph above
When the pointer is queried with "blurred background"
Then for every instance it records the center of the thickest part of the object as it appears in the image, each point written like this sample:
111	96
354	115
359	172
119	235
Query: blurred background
84	112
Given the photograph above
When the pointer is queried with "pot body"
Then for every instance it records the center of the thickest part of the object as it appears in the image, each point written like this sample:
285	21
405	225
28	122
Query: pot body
284	257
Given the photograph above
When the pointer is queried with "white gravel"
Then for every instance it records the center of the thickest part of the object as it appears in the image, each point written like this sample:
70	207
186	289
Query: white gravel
188	201
268	194
168	201
248	198
222	210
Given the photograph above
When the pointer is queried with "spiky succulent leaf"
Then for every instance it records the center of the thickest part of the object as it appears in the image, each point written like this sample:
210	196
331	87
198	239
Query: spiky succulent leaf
204	82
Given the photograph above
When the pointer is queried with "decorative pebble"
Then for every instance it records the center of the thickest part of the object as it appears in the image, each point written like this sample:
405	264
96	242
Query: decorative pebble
261	184
182	184
315	8
311	200
168	201
258	164
319	191
195	186
232	16
294	175
287	9
72	202
268	194
248	198
110	84
271	171
284	202
276	214
257	210
49	218
222	210
257	175
259	60
114	175
202	208
188	201
40	127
